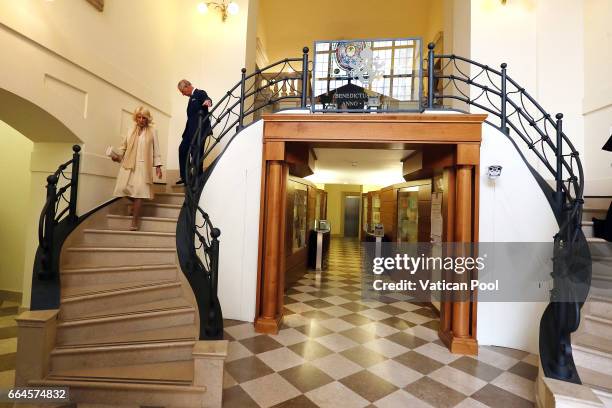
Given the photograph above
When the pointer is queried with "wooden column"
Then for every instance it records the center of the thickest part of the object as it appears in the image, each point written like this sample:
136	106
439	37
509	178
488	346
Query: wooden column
272	267
463	233
457	328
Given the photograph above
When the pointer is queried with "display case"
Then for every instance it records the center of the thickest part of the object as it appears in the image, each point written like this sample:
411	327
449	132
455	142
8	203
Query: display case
375	209
408	214
300	213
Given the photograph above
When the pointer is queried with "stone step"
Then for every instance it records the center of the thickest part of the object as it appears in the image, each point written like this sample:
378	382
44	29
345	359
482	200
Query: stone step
79	277
168	332
599	306
156	316
169	198
599	326
80	257
129	395
94	301
151	209
152	224
78	357
127	238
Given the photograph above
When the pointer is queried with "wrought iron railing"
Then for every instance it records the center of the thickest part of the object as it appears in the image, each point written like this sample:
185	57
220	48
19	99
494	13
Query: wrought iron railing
517	114
197	238
58	215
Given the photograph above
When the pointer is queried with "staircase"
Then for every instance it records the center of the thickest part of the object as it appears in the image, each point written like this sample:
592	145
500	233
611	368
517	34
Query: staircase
127	326
592	343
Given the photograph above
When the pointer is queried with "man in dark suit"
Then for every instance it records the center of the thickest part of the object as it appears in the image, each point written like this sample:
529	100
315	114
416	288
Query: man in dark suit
199	102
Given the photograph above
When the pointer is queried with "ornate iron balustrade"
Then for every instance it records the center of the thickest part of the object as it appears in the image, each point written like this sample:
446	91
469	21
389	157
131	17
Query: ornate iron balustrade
197	238
517	114
53	224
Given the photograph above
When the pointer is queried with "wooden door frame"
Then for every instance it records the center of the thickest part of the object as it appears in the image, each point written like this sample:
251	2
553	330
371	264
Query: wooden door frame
380	131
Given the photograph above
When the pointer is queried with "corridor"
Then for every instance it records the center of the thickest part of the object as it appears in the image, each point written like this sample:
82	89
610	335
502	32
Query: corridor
336	349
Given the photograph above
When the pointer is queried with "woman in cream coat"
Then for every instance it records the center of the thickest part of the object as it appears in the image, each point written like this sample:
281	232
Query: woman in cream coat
139	153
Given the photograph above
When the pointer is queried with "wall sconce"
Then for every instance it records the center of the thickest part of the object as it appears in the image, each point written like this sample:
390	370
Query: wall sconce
224	8
494	171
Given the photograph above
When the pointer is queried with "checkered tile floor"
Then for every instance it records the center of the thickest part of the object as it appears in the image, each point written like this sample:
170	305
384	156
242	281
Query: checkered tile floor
336	349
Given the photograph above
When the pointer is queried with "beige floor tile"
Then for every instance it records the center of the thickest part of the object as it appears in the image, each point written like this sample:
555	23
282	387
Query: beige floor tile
299	307
374	314
336	300
270	390
471	403
401	398
336	366
295	320
532	359
495	359
438	353
336	311
423	332
281	359
236	351
336	342
336	325
386	347
396	373
379	329
414	317
302	297
458	380
335	395
515	384
228	380
242	331
290	336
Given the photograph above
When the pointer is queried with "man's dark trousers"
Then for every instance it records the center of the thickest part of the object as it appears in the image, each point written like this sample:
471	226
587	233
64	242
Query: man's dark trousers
194	109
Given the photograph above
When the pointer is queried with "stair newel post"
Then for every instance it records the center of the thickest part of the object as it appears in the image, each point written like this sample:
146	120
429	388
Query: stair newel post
559	195
305	51
74	183
504	98
47	261
430	75
214	258
242	92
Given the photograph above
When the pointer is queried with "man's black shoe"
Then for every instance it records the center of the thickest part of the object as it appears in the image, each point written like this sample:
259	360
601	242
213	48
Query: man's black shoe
180	181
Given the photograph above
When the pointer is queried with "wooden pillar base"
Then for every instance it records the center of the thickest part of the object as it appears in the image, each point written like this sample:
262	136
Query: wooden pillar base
459	345
268	326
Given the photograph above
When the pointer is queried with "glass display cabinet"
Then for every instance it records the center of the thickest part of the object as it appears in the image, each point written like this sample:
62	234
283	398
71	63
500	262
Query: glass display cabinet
408	214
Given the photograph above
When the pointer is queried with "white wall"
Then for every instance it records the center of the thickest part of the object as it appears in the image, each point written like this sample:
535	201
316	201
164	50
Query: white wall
513	208
597	95
231	197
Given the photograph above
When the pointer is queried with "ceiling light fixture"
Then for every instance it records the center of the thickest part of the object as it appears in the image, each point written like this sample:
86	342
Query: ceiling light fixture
503	2
224	8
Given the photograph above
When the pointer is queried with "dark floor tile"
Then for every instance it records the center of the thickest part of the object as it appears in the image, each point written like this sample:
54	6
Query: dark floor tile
306	377
310	350
432	324
352	289
227	336
313	330
246	369
393	311
287	300
352	296
525	370
397	323
320	294
356	319
236	397
260	344
435	393
363	356
232	322
476	368
406	340
359	335
427	312
496	397
418	362
287	312
317	314
368	385
318	304
300	401
354	307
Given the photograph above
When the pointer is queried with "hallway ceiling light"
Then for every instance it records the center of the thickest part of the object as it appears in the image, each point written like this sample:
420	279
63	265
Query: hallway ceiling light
503	2
224	8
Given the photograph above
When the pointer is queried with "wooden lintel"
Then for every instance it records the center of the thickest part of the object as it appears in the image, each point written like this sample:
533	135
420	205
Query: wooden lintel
380	128
274	151
468	154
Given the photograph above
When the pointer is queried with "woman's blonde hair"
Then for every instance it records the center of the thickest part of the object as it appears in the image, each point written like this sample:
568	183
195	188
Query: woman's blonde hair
142	111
